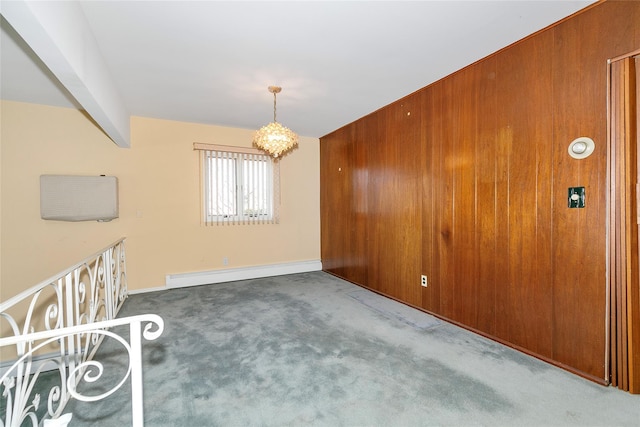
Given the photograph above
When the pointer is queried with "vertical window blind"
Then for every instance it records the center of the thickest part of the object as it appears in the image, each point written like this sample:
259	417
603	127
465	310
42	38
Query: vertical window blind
239	185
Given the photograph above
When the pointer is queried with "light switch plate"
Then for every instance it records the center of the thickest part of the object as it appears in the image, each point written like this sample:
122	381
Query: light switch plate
576	198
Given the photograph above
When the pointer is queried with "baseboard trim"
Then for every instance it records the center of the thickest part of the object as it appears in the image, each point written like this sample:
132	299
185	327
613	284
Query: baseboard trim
44	362
146	290
243	273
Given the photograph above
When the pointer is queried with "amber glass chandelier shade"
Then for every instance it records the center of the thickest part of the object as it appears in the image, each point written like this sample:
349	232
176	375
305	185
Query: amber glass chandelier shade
274	138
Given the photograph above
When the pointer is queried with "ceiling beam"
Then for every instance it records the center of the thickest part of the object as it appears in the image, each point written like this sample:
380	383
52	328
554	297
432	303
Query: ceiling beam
60	36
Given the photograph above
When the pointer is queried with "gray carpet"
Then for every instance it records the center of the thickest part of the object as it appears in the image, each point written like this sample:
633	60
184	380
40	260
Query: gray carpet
392	310
311	349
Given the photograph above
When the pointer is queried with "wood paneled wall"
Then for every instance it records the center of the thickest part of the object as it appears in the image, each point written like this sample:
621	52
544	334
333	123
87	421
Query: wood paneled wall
466	181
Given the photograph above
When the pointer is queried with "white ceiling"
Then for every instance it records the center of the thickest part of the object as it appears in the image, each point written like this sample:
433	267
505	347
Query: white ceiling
211	61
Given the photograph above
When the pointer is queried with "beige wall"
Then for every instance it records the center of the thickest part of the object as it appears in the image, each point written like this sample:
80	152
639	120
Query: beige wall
159	200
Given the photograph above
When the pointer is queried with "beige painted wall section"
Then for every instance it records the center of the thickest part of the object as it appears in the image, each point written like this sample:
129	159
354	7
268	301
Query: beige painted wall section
40	140
166	208
159	200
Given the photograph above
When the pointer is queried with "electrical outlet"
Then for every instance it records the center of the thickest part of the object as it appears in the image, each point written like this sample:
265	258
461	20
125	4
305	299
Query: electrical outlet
225	261
423	280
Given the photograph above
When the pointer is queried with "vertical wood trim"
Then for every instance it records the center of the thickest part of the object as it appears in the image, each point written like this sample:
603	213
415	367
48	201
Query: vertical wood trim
624	251
618	197
612	232
633	308
630	220
629	179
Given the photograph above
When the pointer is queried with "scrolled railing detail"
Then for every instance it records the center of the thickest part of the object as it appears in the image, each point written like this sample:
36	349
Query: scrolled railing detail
91	371
17	390
88	293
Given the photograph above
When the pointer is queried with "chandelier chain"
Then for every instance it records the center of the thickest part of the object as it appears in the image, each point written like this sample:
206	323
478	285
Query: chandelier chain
274	107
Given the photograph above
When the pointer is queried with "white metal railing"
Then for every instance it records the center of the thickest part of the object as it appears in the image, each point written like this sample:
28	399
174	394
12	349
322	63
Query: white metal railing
22	405
67	312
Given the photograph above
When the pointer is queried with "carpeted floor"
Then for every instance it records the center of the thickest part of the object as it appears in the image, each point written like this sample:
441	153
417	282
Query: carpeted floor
313	350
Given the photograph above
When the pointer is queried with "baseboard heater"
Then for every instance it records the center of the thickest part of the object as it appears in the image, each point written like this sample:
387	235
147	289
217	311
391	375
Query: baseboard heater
242	273
78	198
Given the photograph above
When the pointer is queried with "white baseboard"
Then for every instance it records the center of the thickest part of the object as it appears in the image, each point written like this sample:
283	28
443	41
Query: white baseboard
45	362
146	290
232	274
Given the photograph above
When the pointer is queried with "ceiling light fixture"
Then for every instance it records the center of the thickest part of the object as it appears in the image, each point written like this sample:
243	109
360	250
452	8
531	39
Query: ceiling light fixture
274	138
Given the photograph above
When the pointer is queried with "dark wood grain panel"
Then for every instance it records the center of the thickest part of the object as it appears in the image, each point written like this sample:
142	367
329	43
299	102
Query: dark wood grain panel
343	228
462	165
472	190
395	205
358	235
333	192
579	285
488	200
431	195
524	96
445	224
582	47
404	125
380	163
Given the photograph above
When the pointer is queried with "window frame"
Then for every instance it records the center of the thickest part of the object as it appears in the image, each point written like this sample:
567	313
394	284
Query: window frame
239	155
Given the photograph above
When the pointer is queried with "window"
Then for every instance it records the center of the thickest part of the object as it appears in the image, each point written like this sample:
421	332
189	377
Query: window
240	185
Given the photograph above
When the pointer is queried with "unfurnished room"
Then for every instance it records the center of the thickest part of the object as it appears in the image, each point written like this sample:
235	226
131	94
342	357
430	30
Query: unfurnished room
319	213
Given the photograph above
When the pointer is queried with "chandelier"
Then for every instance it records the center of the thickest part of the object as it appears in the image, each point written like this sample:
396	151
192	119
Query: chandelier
274	138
